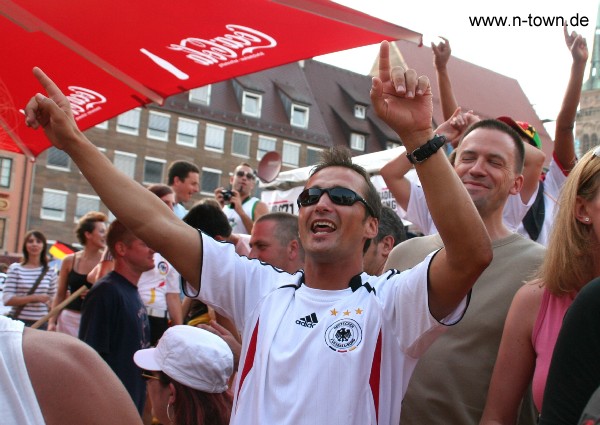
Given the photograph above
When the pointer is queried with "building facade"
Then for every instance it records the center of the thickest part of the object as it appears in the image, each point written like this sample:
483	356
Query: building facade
297	110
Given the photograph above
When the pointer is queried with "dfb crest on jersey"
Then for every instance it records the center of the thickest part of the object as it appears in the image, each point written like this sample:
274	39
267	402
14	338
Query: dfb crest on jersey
163	267
343	335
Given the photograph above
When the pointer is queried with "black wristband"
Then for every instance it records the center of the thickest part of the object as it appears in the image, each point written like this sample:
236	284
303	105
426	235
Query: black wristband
425	151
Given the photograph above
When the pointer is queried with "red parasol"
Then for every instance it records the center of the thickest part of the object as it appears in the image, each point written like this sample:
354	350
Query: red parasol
110	56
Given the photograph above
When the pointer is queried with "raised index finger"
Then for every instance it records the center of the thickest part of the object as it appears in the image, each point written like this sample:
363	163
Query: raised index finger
48	85
384	61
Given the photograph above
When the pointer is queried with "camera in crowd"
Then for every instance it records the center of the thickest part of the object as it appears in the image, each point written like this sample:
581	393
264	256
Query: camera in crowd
227	194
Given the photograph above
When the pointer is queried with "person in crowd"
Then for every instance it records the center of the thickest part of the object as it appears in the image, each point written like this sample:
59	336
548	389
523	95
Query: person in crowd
208	217
30	284
275	240
91	234
184	179
187	377
452	378
369	331
537	311
113	319
535	219
390	233
574	373
241	208
51	378
159	287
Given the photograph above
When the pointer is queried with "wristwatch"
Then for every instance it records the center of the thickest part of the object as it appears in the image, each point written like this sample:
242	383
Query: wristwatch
425	151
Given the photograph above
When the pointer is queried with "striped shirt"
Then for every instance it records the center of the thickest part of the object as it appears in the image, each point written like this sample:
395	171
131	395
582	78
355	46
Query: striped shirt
19	281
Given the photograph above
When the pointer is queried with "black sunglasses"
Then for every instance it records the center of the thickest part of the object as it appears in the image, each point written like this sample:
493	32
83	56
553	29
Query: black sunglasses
240	173
338	195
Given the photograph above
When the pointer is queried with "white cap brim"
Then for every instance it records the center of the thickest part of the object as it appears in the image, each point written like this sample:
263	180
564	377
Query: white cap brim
146	360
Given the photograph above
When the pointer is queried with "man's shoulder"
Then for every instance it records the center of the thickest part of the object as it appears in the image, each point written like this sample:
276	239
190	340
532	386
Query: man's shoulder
412	251
519	246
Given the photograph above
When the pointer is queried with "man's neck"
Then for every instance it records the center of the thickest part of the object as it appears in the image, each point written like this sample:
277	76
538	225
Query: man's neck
132	275
496	228
329	276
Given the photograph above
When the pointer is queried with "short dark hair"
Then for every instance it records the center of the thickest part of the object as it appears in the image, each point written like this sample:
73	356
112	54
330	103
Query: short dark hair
286	228
87	223
160	190
208	216
390	225
492	124
340	156
117	232
180	169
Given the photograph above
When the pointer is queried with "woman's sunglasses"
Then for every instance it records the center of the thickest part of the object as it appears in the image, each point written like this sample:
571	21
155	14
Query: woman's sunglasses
338	195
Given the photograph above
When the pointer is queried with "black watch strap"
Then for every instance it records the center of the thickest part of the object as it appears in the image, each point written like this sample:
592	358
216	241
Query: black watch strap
425	151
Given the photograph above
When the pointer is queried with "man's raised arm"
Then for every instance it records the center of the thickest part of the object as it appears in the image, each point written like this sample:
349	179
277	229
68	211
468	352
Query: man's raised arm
138	208
403	101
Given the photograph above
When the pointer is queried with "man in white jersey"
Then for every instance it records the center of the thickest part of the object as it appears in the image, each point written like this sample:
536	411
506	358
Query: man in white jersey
352	362
241	208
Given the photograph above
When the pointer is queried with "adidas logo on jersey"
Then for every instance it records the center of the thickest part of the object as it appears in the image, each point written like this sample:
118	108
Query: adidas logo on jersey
309	321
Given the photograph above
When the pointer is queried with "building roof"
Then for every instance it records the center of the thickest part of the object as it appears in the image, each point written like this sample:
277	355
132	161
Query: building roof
337	91
488	93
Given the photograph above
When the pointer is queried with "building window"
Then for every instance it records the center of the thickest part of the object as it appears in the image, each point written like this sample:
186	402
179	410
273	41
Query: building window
125	162
129	122
58	159
54	205
392	145
265	144
312	156
200	95
85	204
5	172
102	125
357	142
299	116
215	138
291	153
154	170
187	132
240	143
360	111
251	104
158	126
211	179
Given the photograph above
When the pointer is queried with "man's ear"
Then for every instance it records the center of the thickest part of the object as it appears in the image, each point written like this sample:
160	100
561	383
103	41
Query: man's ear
387	244
292	249
517	185
120	248
371	227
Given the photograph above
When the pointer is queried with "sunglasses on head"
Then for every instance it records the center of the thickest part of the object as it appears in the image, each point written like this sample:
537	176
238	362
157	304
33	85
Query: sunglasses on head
240	173
148	375
338	195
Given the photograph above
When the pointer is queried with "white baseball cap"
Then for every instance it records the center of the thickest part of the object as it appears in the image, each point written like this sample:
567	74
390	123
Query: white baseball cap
191	356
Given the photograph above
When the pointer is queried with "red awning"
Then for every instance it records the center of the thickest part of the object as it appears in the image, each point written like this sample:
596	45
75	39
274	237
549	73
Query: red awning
110	56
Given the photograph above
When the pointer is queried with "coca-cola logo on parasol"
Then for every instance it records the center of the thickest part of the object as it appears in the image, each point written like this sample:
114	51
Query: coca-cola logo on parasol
84	101
240	44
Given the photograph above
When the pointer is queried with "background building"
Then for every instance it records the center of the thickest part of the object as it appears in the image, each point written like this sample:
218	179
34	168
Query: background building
297	110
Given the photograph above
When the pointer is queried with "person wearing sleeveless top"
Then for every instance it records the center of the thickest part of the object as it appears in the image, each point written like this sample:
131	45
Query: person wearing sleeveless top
91	233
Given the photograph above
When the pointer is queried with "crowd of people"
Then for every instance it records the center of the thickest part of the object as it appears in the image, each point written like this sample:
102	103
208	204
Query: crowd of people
229	313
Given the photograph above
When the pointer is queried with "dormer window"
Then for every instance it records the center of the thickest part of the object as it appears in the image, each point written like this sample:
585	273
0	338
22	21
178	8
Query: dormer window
360	111
200	95
299	116
251	104
357	142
